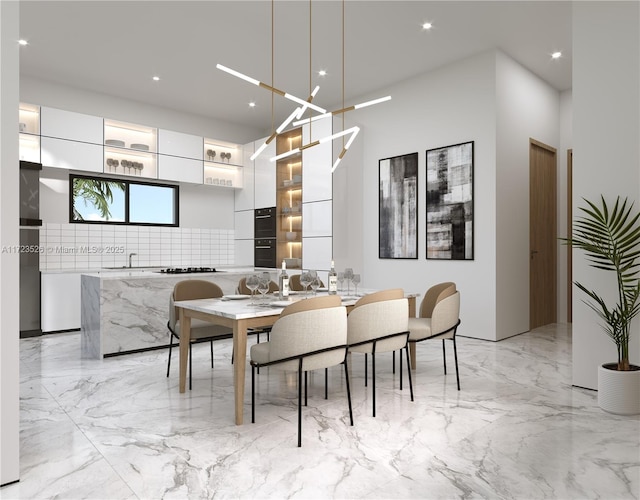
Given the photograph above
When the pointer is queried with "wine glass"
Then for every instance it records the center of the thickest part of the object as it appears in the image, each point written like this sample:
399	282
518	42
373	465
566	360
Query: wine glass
315	284
305	280
340	280
348	275
252	283
263	286
356	280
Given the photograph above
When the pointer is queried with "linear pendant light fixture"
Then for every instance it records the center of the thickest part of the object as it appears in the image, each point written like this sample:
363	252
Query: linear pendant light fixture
304	105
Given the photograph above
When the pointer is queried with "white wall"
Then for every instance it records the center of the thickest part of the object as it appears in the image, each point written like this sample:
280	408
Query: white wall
452	105
606	150
44	93
9	236
566	143
526	107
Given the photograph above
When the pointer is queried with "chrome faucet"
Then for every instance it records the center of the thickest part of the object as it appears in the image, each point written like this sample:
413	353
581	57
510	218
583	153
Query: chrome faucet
131	255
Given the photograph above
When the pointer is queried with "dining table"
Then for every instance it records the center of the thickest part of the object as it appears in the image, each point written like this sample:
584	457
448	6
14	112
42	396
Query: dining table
240	313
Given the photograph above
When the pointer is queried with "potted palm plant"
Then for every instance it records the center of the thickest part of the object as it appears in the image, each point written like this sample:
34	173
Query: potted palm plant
610	238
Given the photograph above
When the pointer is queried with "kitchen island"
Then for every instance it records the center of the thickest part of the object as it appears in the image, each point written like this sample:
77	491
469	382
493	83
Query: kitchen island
126	311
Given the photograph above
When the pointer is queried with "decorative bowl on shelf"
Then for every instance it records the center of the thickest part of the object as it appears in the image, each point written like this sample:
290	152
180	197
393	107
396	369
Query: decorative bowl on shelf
114	142
292	262
291	235
229	182
140	147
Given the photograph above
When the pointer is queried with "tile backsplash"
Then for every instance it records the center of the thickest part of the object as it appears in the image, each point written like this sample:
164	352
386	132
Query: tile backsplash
94	246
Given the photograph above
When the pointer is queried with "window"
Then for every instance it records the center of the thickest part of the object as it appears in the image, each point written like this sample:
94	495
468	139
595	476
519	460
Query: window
116	201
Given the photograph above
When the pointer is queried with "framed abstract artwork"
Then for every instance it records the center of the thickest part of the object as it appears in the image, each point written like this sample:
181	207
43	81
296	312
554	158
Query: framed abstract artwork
398	207
450	202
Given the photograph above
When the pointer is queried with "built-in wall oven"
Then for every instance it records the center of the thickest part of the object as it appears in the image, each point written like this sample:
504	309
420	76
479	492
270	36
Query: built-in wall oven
265	237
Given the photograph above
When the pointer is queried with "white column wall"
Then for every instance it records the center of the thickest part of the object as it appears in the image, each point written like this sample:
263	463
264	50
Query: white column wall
9	236
606	152
526	107
452	105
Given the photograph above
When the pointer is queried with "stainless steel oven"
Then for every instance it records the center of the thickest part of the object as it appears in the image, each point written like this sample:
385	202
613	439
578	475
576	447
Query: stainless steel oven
265	223
265	252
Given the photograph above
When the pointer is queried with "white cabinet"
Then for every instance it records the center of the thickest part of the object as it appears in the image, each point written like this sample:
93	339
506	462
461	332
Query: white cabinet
316	175
72	155
244	253
60	301
244	197
317	253
173	168
243	224
265	176
69	125
317	219
179	144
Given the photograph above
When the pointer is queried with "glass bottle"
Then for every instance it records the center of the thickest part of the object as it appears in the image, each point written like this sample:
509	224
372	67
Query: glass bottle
333	280
283	293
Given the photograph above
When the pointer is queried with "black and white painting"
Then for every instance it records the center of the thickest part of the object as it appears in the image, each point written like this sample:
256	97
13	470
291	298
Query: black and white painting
450	202
398	207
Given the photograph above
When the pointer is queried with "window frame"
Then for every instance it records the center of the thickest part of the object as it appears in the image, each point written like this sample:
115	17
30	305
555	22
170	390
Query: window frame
127	183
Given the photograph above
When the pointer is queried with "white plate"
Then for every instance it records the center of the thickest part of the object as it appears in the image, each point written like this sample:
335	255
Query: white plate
323	289
236	297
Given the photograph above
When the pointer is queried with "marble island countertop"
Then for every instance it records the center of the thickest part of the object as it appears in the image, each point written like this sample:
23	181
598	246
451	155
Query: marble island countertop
154	273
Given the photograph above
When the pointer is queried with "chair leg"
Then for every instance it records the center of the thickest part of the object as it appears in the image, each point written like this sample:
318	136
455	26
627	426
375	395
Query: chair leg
211	354
455	357
253	394
326	383
373	380
444	358
366	364
190	358
346	378
409	370
169	360
394	358
300	403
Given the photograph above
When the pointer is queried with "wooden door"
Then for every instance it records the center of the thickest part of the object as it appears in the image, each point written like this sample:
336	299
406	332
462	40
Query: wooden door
542	235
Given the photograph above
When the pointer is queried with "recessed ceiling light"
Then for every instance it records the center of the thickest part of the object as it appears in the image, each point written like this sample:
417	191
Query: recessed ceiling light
156	78
252	104
23	42
556	55
322	72
427	26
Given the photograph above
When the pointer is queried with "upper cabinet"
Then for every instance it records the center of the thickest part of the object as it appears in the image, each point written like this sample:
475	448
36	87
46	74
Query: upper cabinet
130	149
179	144
70	126
265	176
29	128
316	177
223	163
244	197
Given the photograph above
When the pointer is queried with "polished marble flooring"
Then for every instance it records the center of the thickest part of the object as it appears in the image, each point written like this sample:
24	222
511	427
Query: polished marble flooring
118	428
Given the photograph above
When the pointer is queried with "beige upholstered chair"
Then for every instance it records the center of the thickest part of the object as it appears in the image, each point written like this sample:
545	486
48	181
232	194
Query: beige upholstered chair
441	324
379	322
309	334
201	331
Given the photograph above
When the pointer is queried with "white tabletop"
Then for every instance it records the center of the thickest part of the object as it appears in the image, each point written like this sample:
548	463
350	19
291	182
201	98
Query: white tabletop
227	307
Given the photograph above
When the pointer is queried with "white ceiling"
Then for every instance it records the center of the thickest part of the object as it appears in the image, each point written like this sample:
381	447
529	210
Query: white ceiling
115	47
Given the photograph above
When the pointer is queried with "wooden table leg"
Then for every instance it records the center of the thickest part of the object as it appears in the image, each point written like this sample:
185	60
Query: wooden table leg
185	336
239	366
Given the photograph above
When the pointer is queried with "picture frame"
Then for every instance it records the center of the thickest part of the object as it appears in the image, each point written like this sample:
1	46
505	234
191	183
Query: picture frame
398	207
450	207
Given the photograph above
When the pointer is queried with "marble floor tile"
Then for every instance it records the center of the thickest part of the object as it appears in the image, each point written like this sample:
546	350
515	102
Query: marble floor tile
118	428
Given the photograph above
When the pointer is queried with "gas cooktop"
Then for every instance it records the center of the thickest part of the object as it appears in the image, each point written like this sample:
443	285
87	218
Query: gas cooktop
183	270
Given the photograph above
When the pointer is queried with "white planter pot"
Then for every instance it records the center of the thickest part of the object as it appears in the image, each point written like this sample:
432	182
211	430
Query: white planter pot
619	391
